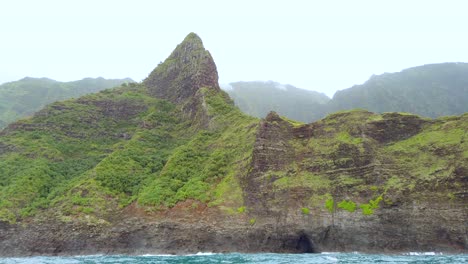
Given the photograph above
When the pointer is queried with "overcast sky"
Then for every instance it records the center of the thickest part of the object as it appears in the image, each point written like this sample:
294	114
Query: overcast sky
317	45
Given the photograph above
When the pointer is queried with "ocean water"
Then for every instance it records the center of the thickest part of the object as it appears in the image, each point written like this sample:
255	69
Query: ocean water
248	258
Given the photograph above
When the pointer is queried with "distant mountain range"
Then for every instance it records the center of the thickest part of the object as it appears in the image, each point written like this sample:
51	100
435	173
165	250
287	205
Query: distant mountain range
431	90
259	98
24	97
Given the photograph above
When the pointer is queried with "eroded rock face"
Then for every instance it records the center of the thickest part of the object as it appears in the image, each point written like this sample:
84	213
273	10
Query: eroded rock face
272	152
394	126
187	69
138	237
355	157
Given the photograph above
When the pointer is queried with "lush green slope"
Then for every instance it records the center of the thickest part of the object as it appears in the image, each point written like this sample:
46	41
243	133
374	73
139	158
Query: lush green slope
44	156
90	155
259	98
26	96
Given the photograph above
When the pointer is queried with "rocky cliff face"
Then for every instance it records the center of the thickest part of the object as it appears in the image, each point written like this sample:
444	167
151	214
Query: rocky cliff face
171	166
357	181
187	69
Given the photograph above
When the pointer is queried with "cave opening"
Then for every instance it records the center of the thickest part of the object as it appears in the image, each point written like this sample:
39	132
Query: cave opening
304	244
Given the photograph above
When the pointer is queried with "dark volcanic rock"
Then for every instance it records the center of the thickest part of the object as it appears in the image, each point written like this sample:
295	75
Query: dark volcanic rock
137	236
394	126
422	227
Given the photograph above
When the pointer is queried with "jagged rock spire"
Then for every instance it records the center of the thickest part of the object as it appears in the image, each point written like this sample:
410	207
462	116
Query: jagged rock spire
187	69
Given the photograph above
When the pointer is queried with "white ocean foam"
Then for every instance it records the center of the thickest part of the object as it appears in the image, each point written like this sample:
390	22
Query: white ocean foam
204	254
158	255
423	253
328	253
175	255
331	258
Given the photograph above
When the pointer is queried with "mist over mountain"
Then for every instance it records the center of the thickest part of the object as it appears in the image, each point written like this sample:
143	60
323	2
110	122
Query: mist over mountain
28	95
431	90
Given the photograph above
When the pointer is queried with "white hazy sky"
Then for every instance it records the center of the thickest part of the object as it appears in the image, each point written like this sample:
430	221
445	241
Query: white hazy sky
317	45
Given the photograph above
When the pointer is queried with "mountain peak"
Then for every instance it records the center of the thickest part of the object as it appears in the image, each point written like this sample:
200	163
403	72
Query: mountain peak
188	68
193	38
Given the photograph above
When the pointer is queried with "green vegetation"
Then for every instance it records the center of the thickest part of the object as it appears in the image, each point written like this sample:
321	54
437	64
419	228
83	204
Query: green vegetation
429	155
347	138
349	206
94	155
330	205
208	159
146	152
368	209
75	140
24	97
241	209
305	210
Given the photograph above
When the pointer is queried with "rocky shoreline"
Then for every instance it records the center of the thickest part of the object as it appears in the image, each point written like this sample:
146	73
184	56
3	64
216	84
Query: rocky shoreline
409	228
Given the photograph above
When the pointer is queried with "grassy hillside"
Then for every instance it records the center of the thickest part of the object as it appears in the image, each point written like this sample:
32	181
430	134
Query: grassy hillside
43	156
90	155
24	97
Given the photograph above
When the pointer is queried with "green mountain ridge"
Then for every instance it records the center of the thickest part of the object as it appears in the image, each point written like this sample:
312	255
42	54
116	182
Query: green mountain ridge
171	165
430	90
24	97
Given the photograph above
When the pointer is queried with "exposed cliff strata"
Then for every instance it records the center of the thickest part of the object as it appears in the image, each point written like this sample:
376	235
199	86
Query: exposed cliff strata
172	166
352	160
